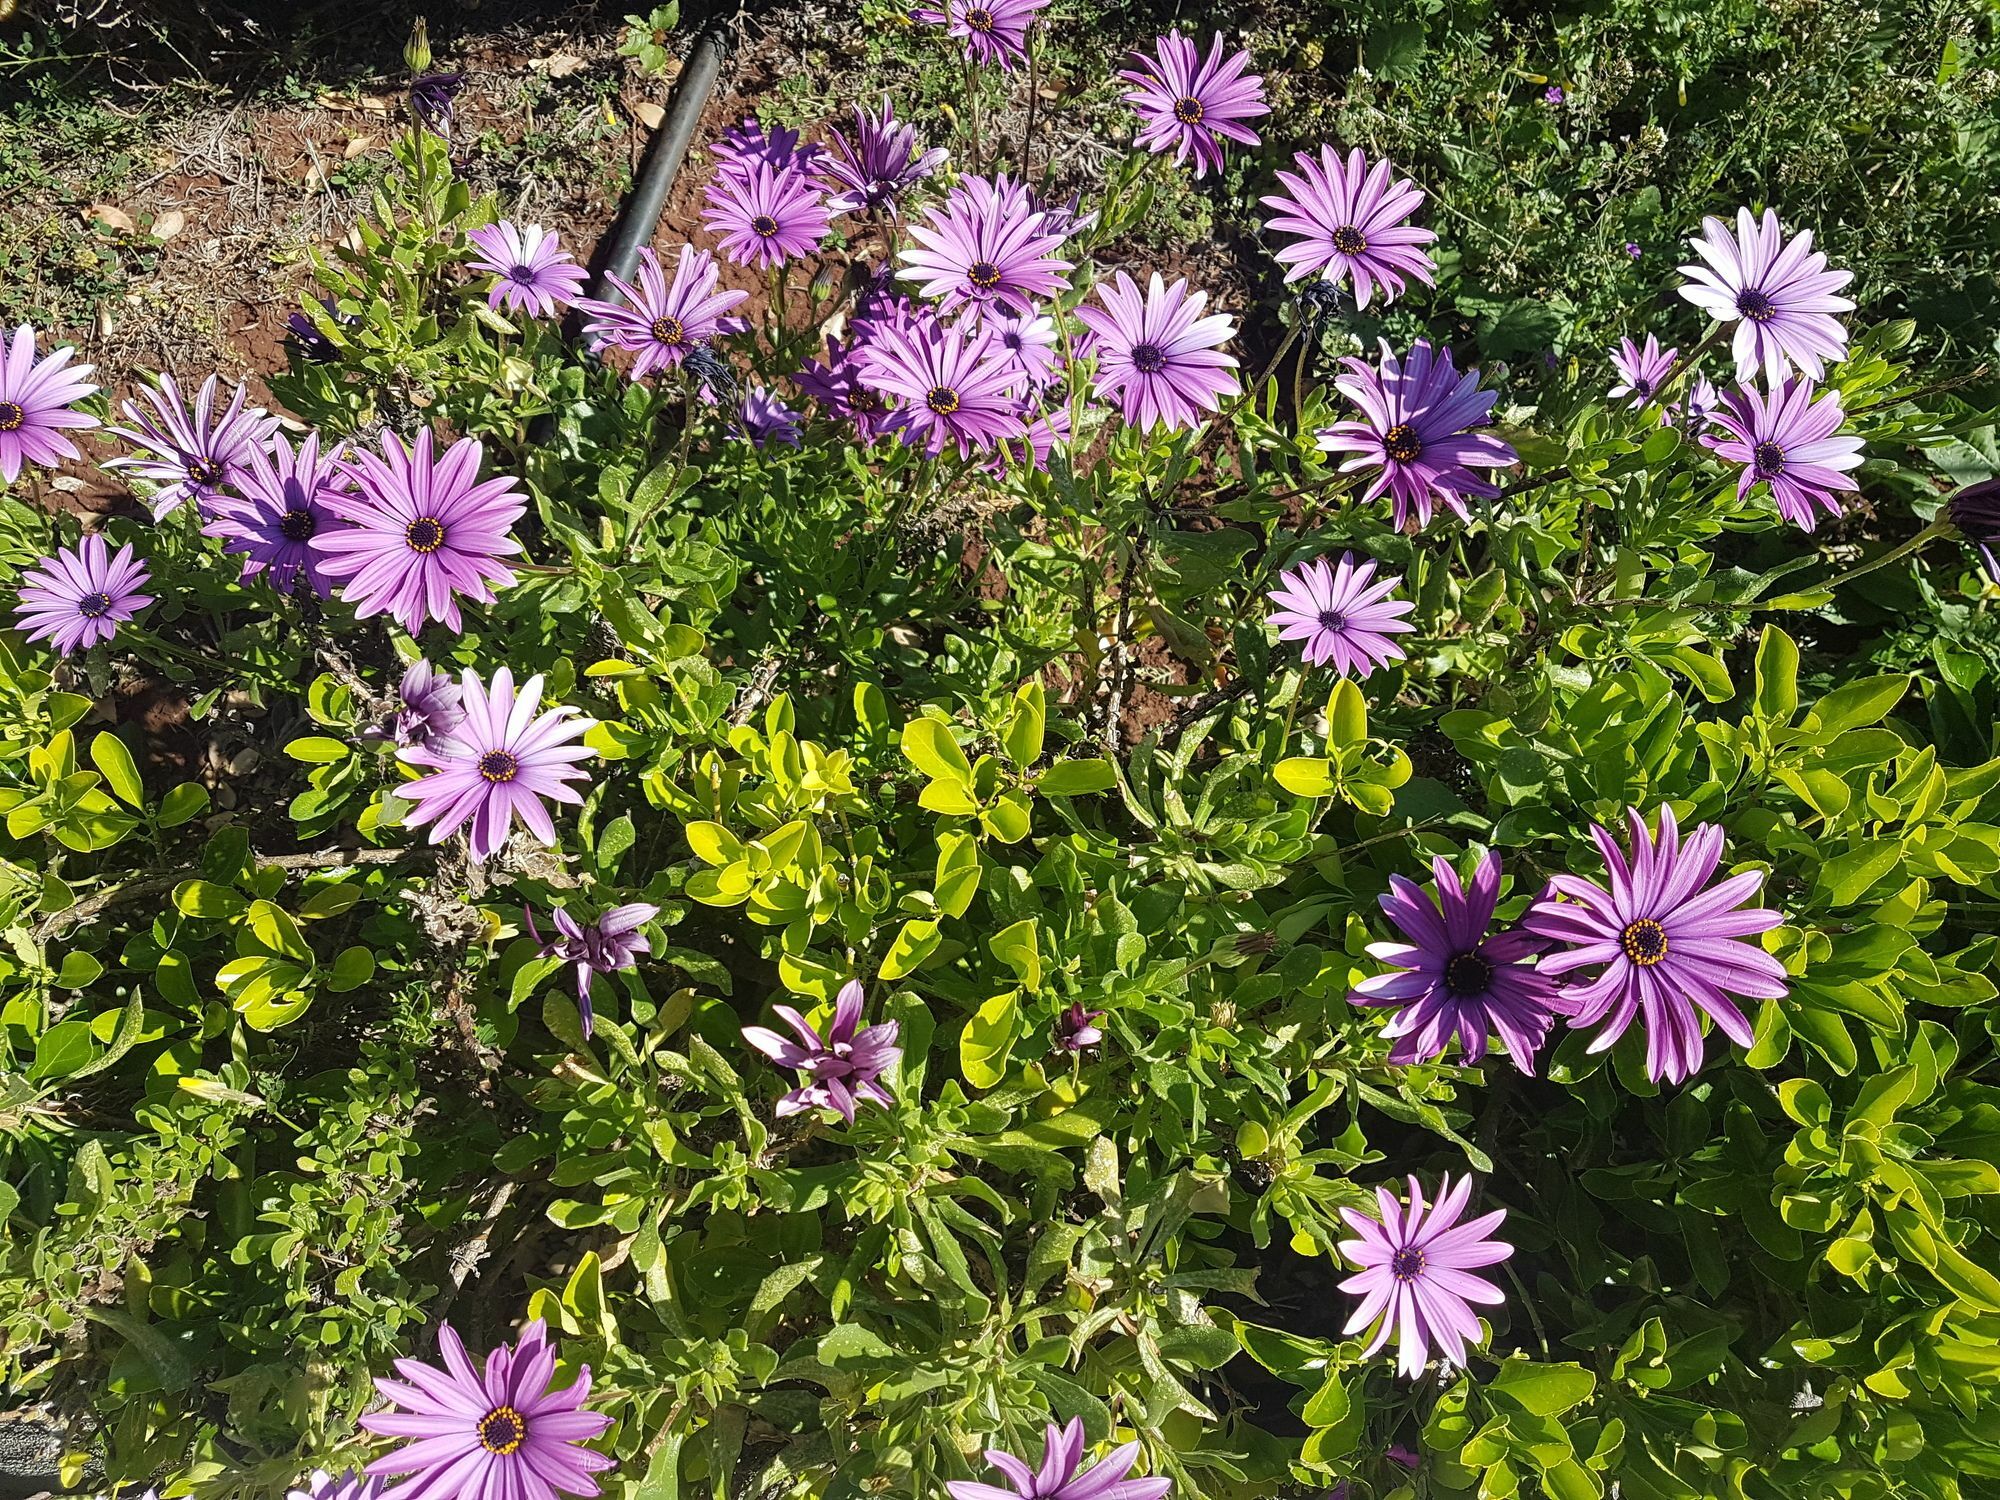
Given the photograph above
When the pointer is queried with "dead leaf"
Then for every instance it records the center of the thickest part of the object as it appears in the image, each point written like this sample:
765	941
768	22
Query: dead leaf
559	66
648	114
112	218
355	147
169	224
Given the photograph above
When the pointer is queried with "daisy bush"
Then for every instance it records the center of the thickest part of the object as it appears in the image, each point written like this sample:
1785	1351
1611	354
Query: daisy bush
921	851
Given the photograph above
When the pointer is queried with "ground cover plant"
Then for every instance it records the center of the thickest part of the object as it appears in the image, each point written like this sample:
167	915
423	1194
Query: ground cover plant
910	853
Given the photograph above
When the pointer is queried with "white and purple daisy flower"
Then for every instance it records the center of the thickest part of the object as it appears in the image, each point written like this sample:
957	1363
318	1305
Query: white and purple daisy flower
1642	370
190	453
883	161
1417	434
349	1485
1030	343
1788	442
1667	945
606	946
282	507
1419	1273
1778	292
506	1434
81	595
745	147
995	32
1342	613
764	216
842	1068
1189	104
1057	1477
1157	355
985	244
498	765
421	532
953	386
659	322
36	397
1453	977
531	271
1353	223
764	419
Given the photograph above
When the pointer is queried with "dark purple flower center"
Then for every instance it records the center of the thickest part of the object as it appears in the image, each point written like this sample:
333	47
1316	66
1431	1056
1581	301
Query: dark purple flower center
765	225
1148	359
942	400
864	401
983	274
204	471
1769	458
1407	1264
669	331
1468	974
12	415
297	525
1755	305
1188	110
1644	942
979	19
502	1430
521	272
1641	386
1348	240
1332	619
499	765
1402	443
425	534
94	606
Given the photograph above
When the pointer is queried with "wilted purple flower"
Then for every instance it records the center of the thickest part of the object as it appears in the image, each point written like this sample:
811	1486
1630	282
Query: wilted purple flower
1075	1028
420	533
311	343
497	765
1057	1478
35	400
612	943
1697	405
1353	221
531	270
954	386
763	216
1553	94
1067	217
765	419
1787	440
1642	370
282	508
712	376
1975	512
1781	290
1044	432
81	596
843	1067
1668	947
1029	342
191	454
884	159
747	146
1157	355
505	1435
1417	434
431	100
985	243
1341	615
1632	249
661	323
837	384
1453	977
350	1485
430	708
1418	1277
994	31
1189	104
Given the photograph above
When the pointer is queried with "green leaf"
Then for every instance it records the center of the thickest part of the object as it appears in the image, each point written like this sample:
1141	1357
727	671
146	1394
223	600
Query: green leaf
1966	1280
1023	738
121	773
1544	1390
1846	878
1077	778
63	1049
929	745
1018	947
317	749
1346	718
987	1040
353	968
183	804
713	844
917	941
1777	676
78	970
1858	704
202	898
1305	776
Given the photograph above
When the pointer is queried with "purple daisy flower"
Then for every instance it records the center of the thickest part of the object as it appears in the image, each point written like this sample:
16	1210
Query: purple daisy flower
1341	615
1353	221
503	1435
765	419
190	453
35	400
1418	1277
994	31
745	147
953	387
351	1485
1417	434
882	162
841	1068
837	384
1787	441
661	323
1076	1029
80	597
531	270
612	943
985	244
282	508
498	765
1042	434
1642	370
1189	104
420	533
1975	511
311	343
1057	1478
1157	354
1632	249
430	708
765	216
1668	947
1781	290
1030	344
1452	977
1553	94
